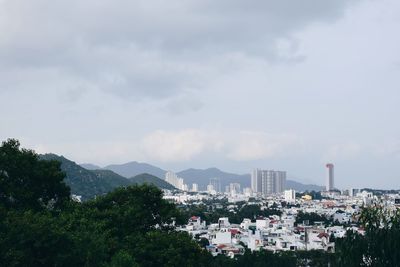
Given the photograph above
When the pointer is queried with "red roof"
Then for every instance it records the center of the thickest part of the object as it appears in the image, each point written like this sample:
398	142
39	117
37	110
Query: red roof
321	235
234	231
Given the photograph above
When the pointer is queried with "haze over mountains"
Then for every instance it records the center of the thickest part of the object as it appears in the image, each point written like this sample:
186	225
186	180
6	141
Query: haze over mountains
89	180
199	176
90	183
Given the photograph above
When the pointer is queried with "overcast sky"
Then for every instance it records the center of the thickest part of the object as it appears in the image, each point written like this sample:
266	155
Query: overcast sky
238	85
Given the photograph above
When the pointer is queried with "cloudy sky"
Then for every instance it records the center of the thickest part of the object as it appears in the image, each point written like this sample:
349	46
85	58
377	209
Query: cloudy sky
271	84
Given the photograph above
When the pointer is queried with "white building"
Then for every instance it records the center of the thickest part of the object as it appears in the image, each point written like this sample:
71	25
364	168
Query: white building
195	187
211	190
176	181
290	195
216	183
234	189
268	182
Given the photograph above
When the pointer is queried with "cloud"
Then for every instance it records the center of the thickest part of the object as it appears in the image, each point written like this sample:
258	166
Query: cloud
148	49
174	146
343	151
260	145
185	145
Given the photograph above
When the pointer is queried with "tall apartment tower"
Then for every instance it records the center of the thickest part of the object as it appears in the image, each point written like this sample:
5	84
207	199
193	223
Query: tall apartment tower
176	181
268	181
256	180
329	177
216	183
280	181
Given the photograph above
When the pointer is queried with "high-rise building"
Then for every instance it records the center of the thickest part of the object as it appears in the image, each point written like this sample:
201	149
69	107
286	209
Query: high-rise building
233	189
329	177
211	189
195	187
176	181
268	181
256	180
280	181
216	183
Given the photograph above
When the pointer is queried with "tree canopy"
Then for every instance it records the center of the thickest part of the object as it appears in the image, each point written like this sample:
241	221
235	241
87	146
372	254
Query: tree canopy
27	182
133	226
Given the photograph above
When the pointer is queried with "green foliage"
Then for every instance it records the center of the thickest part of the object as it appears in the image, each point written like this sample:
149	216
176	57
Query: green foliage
151	179
131	226
161	248
92	183
27	182
86	183
379	246
123	259
132	210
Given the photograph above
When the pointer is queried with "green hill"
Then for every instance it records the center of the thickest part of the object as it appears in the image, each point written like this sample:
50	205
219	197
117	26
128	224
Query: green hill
91	183
86	183
110	177
151	179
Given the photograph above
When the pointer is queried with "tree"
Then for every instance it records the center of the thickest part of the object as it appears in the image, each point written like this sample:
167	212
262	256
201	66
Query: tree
379	246
133	209
27	182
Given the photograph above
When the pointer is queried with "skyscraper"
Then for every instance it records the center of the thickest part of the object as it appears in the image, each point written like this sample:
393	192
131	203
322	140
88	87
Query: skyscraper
329	177
256	180
268	181
216	183
176	181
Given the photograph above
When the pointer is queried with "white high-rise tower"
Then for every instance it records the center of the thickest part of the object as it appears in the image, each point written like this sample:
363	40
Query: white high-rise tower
268	181
329	177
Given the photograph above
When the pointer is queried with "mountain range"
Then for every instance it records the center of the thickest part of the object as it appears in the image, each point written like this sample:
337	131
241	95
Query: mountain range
89	180
94	182
200	176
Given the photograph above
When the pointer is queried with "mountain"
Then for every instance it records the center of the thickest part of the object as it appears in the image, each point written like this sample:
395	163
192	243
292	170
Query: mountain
202	177
110	177
151	179
86	183
299	187
89	166
93	180
91	183
134	168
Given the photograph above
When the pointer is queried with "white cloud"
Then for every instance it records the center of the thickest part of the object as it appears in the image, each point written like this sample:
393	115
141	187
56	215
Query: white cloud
184	145
343	151
260	145
168	146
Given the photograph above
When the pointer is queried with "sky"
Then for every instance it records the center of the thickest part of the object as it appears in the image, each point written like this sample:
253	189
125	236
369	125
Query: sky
284	85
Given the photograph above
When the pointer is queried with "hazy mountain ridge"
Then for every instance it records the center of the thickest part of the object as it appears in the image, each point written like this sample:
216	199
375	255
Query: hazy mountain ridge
151	179
200	176
83	182
135	168
89	166
91	183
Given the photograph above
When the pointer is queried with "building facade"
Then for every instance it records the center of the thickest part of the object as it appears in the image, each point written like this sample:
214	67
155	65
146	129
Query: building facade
329	177
176	181
268	182
216	183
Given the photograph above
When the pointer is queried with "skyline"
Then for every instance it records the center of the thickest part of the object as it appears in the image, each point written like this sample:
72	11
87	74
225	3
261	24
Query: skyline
204	84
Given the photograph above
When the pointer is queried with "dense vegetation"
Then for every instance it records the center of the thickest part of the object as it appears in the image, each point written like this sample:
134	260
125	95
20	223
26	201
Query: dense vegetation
131	226
91	183
146	178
